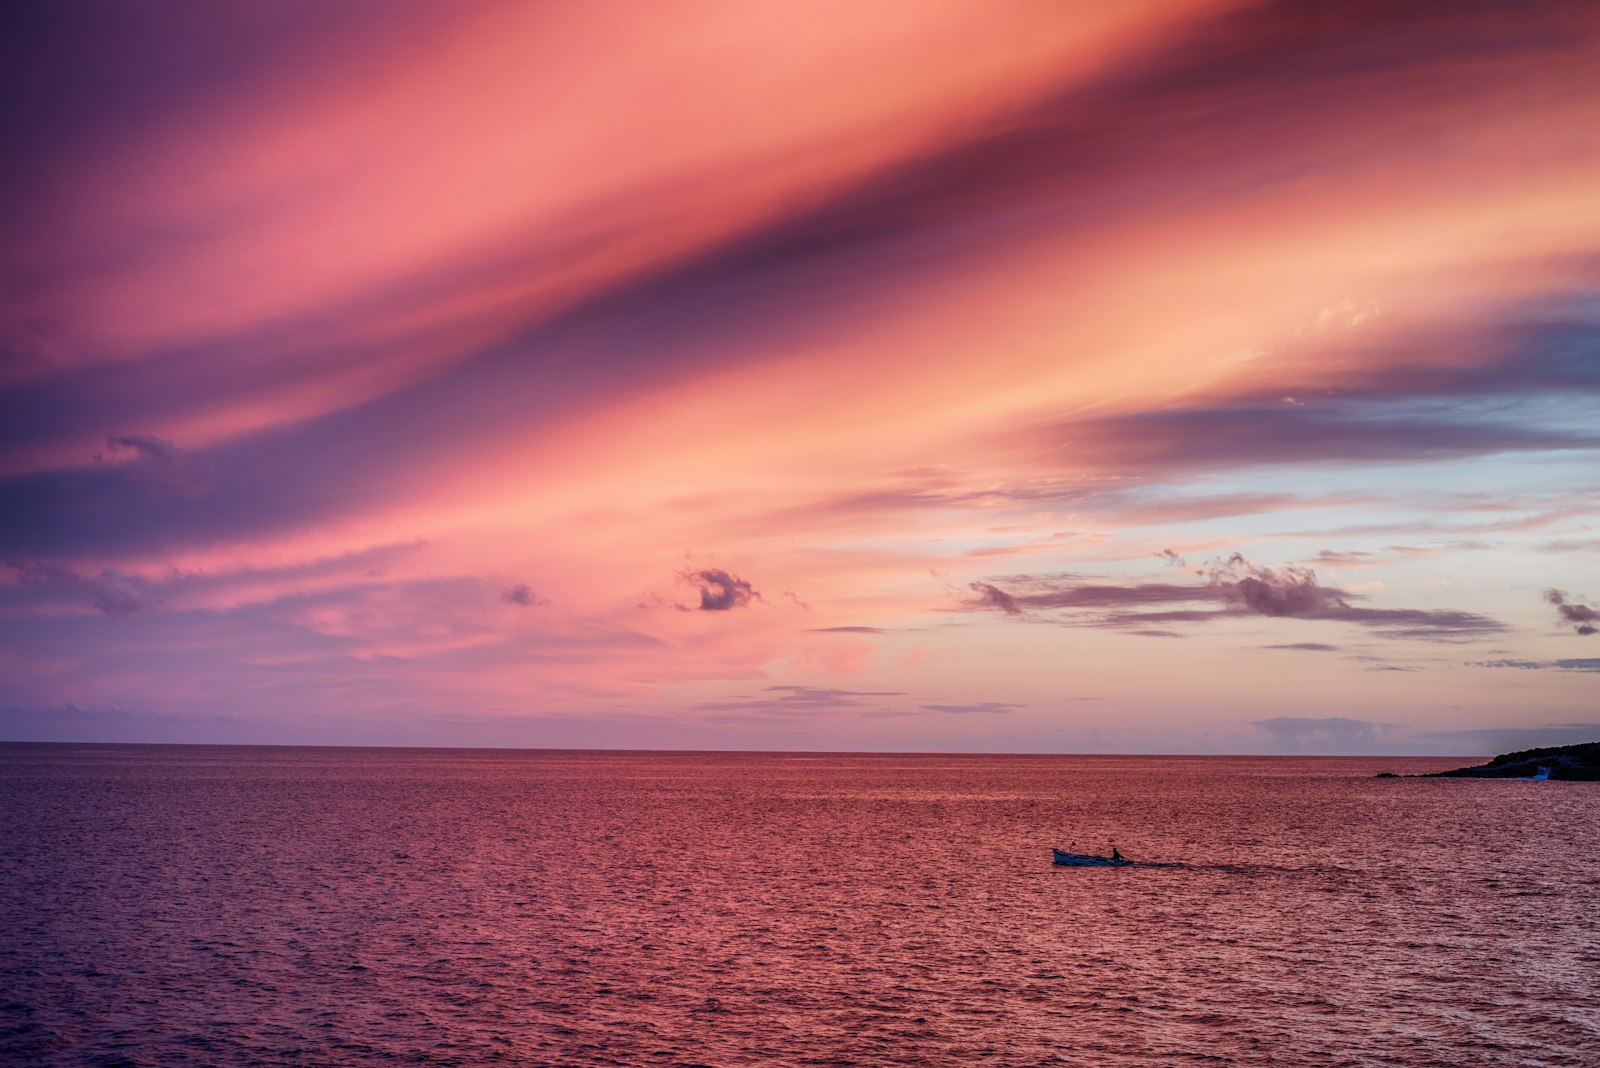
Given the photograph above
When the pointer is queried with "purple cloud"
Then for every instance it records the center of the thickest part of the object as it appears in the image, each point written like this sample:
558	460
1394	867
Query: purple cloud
111	591
153	449
522	594
1584	663
158	462
1324	733
1233	585
1268	591
1580	616
993	596
117	594
1243	435
983	707
719	590
796	700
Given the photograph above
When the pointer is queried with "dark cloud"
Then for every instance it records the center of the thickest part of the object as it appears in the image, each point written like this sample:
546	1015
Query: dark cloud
115	723
1421	624
1588	663
1345	430
156	450
1234	585
1281	591
117	594
993	596
522	594
1035	593
1518	370
160	463
112	592
1580	616
1327	734
850	630
1310	647
719	590
794	700
984	707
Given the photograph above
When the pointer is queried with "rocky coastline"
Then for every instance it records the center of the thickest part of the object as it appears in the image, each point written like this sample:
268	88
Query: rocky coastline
1579	763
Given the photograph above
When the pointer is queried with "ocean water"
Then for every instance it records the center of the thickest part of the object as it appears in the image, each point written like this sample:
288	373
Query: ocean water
170	905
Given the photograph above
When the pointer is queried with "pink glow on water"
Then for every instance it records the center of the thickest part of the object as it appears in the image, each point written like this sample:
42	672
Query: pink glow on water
177	905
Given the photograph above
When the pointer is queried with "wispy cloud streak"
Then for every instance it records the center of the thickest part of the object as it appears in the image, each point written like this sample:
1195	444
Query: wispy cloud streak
1234	588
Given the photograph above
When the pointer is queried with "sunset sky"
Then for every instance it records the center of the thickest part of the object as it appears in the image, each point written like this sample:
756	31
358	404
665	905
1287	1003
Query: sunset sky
1178	376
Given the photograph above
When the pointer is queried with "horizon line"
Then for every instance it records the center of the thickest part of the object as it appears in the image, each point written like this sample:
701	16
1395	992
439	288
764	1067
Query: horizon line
745	752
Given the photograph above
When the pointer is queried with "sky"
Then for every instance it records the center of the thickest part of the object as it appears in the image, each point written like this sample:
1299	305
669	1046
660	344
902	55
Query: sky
1183	376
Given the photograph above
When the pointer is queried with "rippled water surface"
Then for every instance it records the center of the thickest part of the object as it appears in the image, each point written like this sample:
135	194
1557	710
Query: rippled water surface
168	905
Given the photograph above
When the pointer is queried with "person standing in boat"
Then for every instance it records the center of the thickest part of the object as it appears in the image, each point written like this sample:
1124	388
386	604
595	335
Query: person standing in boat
1116	855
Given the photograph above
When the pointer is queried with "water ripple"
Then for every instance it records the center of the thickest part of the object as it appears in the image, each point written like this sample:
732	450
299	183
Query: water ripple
187	906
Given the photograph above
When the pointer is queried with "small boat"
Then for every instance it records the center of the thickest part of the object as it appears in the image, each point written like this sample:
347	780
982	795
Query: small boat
1087	860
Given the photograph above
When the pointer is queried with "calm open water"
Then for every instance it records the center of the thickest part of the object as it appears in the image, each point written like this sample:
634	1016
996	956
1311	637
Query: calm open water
172	905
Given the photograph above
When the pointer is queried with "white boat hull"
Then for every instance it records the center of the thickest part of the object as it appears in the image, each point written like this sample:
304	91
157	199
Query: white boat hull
1086	860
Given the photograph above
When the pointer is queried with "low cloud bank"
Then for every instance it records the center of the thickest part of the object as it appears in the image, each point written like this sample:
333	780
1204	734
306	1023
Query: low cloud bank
1326	734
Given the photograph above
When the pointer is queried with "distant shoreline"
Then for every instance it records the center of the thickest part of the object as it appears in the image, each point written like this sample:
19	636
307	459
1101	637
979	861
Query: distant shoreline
1569	763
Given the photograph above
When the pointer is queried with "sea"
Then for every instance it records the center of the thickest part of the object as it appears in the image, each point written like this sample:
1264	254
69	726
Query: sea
231	906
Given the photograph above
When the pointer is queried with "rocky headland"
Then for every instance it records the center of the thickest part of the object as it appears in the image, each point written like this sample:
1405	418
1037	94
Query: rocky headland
1571	762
